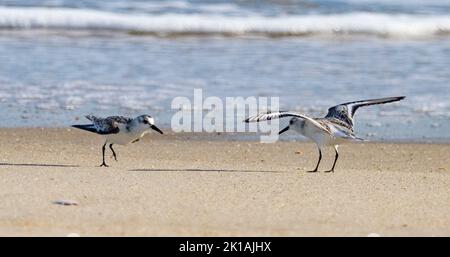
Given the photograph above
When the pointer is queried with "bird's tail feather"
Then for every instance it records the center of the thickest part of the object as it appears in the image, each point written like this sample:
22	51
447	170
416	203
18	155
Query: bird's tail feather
359	139
88	127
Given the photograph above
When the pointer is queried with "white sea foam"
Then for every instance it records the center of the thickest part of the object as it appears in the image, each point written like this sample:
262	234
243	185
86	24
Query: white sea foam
386	25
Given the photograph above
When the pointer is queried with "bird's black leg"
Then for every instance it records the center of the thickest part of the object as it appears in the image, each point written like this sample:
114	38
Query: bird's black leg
335	159
103	151
114	153
320	158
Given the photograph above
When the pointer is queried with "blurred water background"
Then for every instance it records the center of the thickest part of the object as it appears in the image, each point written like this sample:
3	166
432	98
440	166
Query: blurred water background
60	59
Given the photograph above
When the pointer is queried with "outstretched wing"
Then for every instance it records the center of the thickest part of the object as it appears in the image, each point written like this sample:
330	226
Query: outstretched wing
282	114
342	114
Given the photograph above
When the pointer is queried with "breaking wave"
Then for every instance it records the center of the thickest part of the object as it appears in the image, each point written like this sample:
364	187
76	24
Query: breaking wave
376	24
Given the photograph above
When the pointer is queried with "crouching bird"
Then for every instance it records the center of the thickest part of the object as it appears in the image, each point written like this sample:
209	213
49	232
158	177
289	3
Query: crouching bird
119	130
334	129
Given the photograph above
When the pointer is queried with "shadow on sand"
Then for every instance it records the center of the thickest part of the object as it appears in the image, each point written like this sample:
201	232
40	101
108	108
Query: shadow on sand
38	165
209	170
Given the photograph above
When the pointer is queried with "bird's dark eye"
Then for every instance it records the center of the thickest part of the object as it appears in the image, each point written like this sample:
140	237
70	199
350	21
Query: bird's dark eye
145	121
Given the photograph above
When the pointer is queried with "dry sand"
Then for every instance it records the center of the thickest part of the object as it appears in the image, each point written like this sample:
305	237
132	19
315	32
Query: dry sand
173	185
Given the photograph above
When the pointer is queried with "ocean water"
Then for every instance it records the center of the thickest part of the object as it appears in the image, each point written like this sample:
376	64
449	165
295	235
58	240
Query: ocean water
63	59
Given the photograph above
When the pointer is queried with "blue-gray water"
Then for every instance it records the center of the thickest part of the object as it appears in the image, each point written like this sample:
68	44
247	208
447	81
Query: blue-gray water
63	59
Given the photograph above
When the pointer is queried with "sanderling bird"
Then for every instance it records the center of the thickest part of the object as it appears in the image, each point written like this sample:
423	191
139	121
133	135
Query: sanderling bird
119	130
334	129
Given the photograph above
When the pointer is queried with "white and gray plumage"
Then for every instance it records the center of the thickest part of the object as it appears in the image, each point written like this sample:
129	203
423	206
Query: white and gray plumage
334	129
119	130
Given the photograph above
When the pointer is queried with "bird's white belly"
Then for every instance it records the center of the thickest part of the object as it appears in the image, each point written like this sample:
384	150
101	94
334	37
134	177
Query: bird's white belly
320	137
123	138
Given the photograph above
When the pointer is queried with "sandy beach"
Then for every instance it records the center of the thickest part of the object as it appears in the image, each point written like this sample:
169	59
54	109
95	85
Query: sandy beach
186	185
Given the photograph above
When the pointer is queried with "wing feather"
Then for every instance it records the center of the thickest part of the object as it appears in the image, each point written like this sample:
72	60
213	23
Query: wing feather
120	119
103	126
343	113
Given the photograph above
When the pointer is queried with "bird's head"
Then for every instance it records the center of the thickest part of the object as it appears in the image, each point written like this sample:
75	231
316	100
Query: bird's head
147	122
293	122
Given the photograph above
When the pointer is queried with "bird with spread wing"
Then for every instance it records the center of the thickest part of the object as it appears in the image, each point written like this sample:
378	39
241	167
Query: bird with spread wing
334	129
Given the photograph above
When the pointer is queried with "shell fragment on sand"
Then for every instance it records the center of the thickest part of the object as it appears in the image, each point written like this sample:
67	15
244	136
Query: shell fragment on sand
65	202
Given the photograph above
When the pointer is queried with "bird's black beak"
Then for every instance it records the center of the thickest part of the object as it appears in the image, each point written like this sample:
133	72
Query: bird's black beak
156	128
283	130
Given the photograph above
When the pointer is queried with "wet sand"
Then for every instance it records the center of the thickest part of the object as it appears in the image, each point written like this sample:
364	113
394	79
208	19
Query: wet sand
191	185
